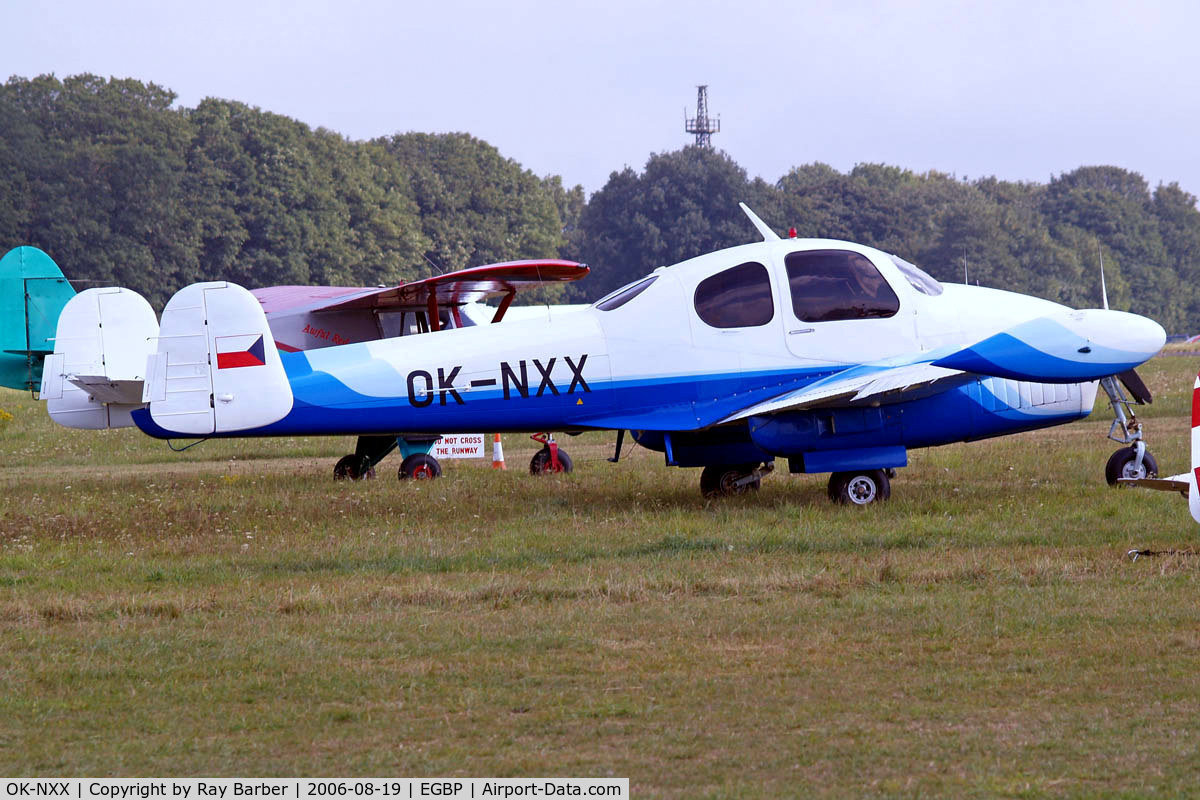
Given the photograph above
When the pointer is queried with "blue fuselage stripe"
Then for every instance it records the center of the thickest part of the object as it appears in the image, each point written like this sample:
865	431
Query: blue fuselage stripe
324	405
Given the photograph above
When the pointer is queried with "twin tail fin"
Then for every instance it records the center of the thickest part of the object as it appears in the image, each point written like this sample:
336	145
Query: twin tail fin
211	367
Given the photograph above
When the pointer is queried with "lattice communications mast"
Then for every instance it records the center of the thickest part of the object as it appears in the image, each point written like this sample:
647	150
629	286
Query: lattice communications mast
702	125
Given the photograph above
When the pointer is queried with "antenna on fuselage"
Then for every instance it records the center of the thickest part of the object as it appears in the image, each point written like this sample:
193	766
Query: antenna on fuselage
1103	287
767	234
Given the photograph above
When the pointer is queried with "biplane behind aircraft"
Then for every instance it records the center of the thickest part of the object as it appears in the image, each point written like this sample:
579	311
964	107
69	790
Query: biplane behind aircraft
100	368
313	317
833	356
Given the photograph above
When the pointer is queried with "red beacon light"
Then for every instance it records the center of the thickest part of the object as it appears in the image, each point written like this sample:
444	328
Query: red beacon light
791	233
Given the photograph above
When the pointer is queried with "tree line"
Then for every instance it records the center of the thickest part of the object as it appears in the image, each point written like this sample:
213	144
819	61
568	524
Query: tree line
120	187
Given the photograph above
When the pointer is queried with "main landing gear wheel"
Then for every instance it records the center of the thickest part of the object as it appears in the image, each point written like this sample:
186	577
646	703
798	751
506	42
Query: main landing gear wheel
1123	464
726	480
859	488
420	467
543	464
353	467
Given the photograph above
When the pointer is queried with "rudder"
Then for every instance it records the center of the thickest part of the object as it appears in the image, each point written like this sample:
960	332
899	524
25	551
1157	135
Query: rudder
1194	489
33	292
93	379
216	369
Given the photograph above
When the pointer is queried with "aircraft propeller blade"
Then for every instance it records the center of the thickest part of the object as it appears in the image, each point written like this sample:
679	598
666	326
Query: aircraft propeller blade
1136	386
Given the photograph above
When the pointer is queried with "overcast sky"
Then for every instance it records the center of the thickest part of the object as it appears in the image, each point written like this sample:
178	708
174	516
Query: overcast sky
1020	90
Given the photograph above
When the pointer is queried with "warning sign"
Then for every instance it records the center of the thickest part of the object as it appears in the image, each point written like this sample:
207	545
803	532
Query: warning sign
459	445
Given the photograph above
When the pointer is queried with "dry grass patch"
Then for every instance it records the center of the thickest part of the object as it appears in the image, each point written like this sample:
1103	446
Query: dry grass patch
231	610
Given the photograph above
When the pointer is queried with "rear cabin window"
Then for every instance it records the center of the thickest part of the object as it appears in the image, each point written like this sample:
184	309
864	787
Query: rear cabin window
739	297
828	285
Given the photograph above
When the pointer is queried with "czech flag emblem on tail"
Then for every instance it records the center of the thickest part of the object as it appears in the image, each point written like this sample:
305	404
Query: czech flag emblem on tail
240	351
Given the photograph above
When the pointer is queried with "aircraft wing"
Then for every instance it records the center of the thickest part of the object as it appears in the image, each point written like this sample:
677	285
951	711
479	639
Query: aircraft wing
1066	346
454	288
868	384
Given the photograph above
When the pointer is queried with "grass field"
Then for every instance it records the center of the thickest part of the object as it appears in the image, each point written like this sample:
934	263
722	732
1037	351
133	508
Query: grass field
232	611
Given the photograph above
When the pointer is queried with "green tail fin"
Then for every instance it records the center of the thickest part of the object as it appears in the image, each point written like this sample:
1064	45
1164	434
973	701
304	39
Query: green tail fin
32	293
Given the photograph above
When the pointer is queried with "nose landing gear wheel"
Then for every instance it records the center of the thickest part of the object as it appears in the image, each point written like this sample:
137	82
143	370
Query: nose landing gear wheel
420	467
859	488
542	464
353	467
726	480
1123	464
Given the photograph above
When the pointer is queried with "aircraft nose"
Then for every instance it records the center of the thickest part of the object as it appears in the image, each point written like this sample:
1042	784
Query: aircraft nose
1065	347
1121	330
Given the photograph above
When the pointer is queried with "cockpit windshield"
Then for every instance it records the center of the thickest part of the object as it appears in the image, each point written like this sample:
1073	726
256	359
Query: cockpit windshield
623	295
921	280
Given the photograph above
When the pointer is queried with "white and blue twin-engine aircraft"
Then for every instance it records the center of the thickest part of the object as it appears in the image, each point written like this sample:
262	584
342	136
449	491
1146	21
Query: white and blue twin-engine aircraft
836	356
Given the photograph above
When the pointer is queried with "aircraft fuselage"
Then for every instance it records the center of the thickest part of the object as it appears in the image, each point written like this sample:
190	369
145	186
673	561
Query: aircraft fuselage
674	360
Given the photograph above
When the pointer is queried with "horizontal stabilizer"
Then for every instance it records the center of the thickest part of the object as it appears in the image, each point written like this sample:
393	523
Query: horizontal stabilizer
1066	347
1175	483
94	377
107	390
217	369
29	352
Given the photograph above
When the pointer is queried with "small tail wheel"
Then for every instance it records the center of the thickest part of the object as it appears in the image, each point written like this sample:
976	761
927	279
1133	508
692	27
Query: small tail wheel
420	467
725	480
353	467
860	487
543	464
1123	464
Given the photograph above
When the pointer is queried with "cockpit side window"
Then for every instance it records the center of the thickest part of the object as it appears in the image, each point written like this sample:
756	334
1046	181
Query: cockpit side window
739	297
828	285
410	323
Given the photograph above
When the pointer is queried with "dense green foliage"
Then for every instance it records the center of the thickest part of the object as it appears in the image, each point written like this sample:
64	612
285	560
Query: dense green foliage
120	187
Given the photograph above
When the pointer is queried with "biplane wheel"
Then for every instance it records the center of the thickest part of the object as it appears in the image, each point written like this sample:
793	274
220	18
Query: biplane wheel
859	488
420	467
1121	465
541	464
353	467
720	480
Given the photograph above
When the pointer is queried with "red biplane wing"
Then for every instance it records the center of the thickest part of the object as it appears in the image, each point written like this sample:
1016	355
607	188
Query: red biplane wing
452	289
466	285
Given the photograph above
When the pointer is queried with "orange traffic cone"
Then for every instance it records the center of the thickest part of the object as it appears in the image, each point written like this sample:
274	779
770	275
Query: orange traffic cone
497	453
